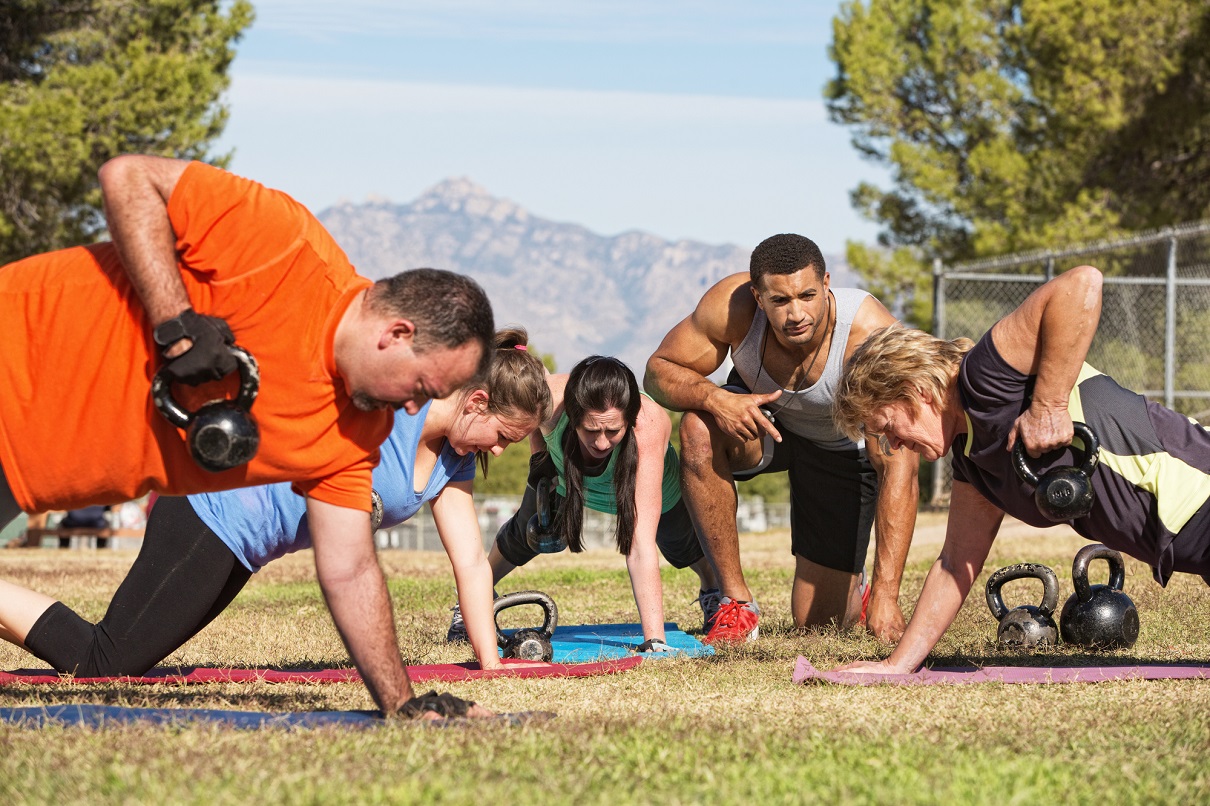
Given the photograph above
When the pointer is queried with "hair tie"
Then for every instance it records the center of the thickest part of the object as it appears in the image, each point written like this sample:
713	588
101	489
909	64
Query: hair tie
519	347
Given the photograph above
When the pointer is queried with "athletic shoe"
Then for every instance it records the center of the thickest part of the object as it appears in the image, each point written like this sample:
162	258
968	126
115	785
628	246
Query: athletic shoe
456	634
735	622
709	600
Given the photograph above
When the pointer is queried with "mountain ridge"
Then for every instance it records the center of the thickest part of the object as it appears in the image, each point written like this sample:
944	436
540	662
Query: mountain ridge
577	292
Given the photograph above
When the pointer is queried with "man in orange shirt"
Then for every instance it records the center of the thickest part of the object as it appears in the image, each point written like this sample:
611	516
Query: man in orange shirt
201	258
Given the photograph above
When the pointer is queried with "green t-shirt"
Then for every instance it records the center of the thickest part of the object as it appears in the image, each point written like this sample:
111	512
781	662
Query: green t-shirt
598	490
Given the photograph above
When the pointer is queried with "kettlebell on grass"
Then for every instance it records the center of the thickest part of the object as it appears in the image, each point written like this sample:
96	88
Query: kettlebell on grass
528	643
1062	493
1027	626
221	434
1099	616
539	530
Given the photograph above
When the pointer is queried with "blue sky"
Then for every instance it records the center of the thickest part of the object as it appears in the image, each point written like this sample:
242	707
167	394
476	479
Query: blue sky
699	120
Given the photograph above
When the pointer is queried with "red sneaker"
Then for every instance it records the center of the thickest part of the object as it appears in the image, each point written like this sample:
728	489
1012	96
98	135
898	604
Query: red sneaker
865	595
735	623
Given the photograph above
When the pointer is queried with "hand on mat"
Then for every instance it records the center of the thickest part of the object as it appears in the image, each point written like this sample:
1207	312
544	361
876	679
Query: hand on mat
868	667
653	645
432	706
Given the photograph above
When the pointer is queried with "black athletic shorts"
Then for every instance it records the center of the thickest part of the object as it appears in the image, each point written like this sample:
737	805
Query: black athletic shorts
674	535
832	498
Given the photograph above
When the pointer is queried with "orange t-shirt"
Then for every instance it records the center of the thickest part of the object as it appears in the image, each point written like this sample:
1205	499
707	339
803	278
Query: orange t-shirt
77	425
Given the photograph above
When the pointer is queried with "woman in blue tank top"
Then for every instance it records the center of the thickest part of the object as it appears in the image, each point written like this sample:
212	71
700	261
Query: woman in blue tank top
199	551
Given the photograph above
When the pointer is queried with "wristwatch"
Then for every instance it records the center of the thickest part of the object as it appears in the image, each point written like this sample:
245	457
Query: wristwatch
171	331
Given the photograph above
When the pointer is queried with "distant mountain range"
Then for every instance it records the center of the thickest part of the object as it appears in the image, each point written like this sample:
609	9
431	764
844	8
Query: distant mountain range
576	292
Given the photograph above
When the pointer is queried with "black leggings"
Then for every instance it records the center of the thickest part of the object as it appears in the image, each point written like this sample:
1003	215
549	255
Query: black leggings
183	577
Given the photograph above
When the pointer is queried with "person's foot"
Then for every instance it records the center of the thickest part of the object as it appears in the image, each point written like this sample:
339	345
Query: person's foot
709	601
456	634
735	622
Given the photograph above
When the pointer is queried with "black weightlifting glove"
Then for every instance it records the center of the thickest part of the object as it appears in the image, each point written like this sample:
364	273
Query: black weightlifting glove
653	645
208	359
445	704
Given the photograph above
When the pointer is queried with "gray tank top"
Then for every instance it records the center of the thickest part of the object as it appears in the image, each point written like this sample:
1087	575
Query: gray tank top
807	412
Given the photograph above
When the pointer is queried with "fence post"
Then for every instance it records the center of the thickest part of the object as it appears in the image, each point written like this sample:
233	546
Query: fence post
1170	327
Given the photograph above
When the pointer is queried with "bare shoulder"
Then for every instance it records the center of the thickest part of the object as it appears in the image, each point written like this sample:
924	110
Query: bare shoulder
726	310
871	315
557	384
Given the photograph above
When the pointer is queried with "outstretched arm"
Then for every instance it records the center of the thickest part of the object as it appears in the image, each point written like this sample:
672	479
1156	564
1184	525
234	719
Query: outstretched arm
894	522
643	561
353	585
973	524
454	512
1049	336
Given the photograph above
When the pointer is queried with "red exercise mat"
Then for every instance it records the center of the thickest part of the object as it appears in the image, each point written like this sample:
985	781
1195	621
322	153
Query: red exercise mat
804	672
444	672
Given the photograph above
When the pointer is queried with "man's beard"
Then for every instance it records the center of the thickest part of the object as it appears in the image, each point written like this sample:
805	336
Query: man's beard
364	402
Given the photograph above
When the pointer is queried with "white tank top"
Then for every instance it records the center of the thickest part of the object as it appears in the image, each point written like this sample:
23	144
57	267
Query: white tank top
807	412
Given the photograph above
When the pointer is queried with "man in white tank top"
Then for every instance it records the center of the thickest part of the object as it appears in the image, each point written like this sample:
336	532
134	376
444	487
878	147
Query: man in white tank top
788	334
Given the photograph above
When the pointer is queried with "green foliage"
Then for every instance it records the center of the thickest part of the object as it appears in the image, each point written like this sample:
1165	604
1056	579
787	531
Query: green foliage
1012	125
506	473
86	81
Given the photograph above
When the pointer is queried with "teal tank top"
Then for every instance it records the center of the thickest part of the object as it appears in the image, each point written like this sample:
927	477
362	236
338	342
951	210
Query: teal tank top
598	490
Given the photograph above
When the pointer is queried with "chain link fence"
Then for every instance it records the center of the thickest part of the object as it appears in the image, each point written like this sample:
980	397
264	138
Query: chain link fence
1155	314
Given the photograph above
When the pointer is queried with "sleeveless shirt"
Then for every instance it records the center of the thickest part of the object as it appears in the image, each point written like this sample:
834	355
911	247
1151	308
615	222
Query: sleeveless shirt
807	412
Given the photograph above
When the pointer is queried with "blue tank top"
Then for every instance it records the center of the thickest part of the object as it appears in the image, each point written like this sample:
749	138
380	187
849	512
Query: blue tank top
260	524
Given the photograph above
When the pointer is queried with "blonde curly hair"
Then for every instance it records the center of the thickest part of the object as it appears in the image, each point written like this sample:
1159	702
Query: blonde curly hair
894	363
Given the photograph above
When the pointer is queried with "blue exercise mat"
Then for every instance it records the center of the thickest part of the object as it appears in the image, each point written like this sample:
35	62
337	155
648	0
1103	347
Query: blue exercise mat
596	642
99	716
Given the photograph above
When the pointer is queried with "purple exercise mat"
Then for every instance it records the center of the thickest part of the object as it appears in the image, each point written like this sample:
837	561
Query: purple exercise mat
804	672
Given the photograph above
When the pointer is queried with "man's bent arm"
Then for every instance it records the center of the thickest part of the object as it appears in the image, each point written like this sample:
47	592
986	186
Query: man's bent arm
356	592
136	190
894	522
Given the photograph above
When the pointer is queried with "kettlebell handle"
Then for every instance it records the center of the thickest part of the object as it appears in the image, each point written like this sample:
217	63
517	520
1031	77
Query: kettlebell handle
550	613
1079	569
175	413
1092	447
1050	587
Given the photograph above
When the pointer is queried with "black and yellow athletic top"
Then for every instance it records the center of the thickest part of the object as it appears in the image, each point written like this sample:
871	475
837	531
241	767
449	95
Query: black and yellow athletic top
1152	483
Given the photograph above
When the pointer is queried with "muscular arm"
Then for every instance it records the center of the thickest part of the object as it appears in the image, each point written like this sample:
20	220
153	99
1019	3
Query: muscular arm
643	561
136	190
454	513
1049	336
677	372
973	524
356	592
898	494
894	522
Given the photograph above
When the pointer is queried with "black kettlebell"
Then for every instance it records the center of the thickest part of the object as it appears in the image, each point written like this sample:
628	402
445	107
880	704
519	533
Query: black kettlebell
222	434
1027	626
539	530
528	643
1062	493
1099	616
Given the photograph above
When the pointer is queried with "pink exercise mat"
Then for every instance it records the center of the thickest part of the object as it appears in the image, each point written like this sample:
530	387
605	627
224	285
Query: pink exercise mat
442	672
804	672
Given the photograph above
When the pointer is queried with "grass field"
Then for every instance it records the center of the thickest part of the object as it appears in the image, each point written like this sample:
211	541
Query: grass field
728	729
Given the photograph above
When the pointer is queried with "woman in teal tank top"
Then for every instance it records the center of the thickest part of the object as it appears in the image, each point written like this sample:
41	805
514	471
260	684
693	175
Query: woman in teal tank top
606	447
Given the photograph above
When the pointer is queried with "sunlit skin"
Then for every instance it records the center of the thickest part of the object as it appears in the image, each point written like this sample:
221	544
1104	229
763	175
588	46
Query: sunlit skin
925	430
600	432
409	379
796	306
488	433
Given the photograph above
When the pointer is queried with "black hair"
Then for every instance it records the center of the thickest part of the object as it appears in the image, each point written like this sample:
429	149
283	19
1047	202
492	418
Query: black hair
785	254
595	384
448	309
